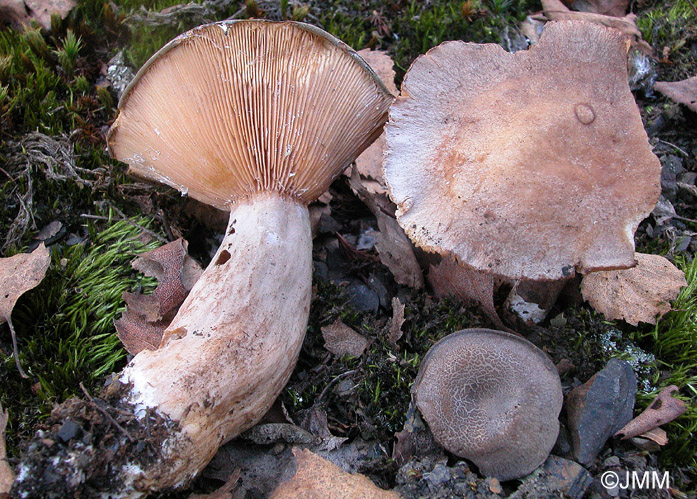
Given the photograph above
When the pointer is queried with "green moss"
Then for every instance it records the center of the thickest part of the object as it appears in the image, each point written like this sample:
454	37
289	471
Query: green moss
65	326
672	26
674	343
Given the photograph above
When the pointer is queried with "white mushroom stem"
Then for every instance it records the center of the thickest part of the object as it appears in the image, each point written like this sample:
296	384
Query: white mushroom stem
235	341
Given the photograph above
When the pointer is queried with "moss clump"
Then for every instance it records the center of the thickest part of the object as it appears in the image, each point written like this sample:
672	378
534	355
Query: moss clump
65	326
370	395
673	341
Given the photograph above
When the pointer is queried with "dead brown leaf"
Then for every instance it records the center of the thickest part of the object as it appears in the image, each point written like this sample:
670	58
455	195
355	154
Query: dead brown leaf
7	476
664	409
224	492
19	13
394	247
656	435
397	321
317	478
369	163
147	316
616	8
555	10
639	294
469	285
340	340
19	274
683	92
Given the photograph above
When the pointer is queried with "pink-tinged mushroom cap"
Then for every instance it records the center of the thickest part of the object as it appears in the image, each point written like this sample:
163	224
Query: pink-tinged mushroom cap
529	165
491	397
234	108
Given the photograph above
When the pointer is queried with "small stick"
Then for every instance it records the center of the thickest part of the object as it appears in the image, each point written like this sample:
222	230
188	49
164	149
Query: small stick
103	411
675	147
15	349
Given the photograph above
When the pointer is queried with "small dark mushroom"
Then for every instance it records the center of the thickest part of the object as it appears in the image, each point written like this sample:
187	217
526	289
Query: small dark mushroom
493	398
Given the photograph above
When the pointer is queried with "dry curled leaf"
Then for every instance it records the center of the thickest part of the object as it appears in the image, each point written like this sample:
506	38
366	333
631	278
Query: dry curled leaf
147	316
555	10
20	13
397	321
340	340
664	409
683	92
395	248
369	163
317	478
19	274
467	284
616	8
639	294
7	476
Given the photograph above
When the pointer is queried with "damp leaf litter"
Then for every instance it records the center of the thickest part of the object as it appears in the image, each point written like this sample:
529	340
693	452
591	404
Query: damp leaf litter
65	83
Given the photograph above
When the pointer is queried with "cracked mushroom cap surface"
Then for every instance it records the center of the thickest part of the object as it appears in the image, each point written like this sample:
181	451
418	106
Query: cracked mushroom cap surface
529	165
491	397
234	108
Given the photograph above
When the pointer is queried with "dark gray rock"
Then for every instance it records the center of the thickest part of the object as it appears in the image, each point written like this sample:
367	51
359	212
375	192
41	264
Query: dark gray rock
597	409
68	431
672	168
362	298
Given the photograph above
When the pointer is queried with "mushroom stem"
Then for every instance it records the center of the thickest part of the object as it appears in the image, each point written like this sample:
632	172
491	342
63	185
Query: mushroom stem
235	341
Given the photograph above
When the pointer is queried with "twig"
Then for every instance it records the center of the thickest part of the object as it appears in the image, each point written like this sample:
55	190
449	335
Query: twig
127	220
331	382
103	411
15	349
675	147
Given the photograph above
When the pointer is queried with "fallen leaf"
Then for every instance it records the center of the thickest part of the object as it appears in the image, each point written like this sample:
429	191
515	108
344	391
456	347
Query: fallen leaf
532	300
224	492
19	274
683	92
615	8
664	409
369	163
639	294
317	478
7	476
656	435
147	316
20	13
394	247
49	231
555	10
397	321
340	340
467	284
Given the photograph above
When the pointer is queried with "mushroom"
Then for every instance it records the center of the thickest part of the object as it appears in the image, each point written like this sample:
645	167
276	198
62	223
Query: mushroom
528	165
258	118
491	397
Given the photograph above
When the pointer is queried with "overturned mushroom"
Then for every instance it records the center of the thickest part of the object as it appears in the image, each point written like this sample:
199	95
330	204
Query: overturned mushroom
256	117
491	397
529	165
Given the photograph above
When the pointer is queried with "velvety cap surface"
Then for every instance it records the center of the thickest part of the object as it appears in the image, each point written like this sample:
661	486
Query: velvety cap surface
529	165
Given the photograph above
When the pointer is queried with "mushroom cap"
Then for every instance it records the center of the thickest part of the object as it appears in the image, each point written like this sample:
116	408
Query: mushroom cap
529	165
233	108
491	397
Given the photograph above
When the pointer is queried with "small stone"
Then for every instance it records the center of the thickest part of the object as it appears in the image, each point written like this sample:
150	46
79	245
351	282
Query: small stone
599	408
495	486
567	477
362	298
68	430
